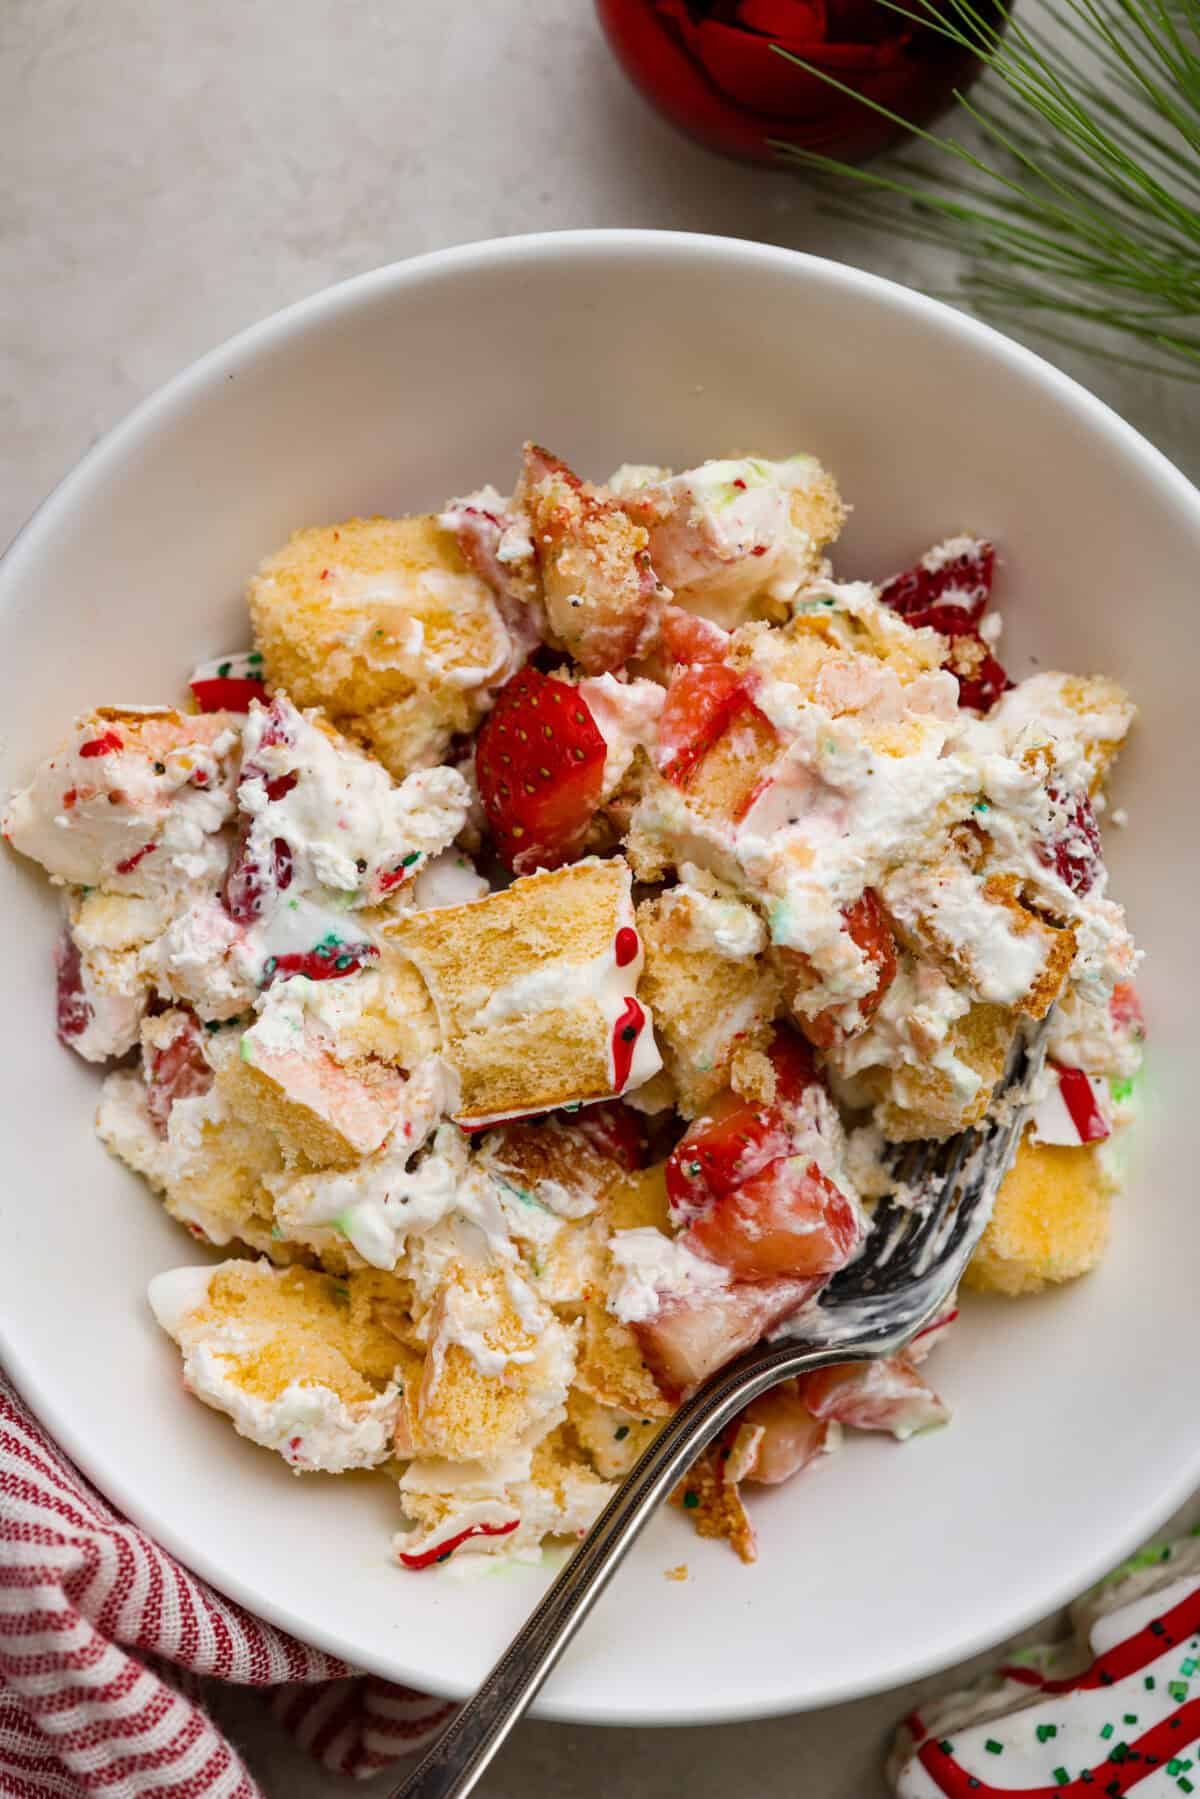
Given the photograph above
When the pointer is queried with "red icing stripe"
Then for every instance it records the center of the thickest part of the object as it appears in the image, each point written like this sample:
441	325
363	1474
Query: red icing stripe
626	1032
626	946
1080	1102
1144	1756
227	693
1108	1778
428	1556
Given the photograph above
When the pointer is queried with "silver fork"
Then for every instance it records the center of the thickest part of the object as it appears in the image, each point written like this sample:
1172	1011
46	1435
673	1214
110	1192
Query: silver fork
913	1258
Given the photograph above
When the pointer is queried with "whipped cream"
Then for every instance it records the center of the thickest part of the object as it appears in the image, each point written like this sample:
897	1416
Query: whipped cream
309	1425
649	1267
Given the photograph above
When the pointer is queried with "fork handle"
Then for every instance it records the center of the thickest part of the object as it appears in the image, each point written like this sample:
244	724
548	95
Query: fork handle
458	1759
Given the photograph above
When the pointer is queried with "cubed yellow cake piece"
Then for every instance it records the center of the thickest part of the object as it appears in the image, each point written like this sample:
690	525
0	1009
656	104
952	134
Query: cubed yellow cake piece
712	991
534	989
302	1362
495	1378
322	1110
1050	1221
210	1167
611	1439
381	622
930	1101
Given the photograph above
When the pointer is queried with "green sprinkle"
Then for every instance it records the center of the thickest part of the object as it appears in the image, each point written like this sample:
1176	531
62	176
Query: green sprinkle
1121	1089
1061	1777
276	1232
993	1747
1119	1752
1178	1689
212	1024
946	1746
254	656
1185	1786
1107	1732
691	1499
408	861
621	1432
1174	1766
1046	1731
1129	1718
223	668
1188	1666
983	805
1148	1683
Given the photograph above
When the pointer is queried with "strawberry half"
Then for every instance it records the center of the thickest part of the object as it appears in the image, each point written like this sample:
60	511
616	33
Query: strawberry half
539	761
736	1138
786	1221
885	1395
950	593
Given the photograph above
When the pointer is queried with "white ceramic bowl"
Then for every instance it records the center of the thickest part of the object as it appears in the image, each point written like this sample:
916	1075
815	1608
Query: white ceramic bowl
1073	1436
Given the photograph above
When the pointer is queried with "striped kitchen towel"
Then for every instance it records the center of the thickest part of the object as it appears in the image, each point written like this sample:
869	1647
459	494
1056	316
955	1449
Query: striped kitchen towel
106	1641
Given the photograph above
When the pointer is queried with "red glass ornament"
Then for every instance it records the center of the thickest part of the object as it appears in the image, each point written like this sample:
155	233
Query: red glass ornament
711	68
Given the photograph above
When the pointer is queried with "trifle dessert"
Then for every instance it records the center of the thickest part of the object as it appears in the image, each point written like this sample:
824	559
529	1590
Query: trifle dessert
521	962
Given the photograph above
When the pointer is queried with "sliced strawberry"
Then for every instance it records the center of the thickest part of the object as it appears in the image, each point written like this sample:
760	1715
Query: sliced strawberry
616	1131
539	761
689	640
1075	853
950	594
702	702
176	1072
736	1137
792	1437
689	1339
250	889
226	693
957	587
74	1014
868	926
885	1395
786	1220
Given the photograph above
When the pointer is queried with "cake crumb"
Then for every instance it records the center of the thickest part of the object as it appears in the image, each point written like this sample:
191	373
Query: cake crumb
679	1573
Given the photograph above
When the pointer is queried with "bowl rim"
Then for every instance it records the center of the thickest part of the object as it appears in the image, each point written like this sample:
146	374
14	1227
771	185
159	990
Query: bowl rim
318	308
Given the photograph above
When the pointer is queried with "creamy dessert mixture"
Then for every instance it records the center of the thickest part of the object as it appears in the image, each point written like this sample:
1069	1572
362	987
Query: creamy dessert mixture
519	963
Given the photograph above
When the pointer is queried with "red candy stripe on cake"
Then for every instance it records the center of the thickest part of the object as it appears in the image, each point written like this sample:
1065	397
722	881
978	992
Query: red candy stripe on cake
1142	1754
106	745
626	1032
441	1551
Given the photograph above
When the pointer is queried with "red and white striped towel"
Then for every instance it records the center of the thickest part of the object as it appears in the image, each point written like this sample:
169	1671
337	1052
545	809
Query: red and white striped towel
105	1642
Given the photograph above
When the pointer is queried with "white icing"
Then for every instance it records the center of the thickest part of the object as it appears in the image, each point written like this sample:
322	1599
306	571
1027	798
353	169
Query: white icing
649	1267
626	715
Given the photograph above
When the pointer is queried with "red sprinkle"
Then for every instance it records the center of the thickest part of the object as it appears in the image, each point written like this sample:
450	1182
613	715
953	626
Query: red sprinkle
1080	1102
130	863
626	1032
69	798
760	549
626	946
105	745
441	1551
281	786
740	485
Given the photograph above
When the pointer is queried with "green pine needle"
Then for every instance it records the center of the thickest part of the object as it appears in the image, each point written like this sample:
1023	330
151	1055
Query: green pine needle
1078	201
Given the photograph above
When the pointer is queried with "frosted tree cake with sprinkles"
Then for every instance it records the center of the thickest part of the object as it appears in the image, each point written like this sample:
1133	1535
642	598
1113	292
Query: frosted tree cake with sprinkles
1114	1710
518	962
